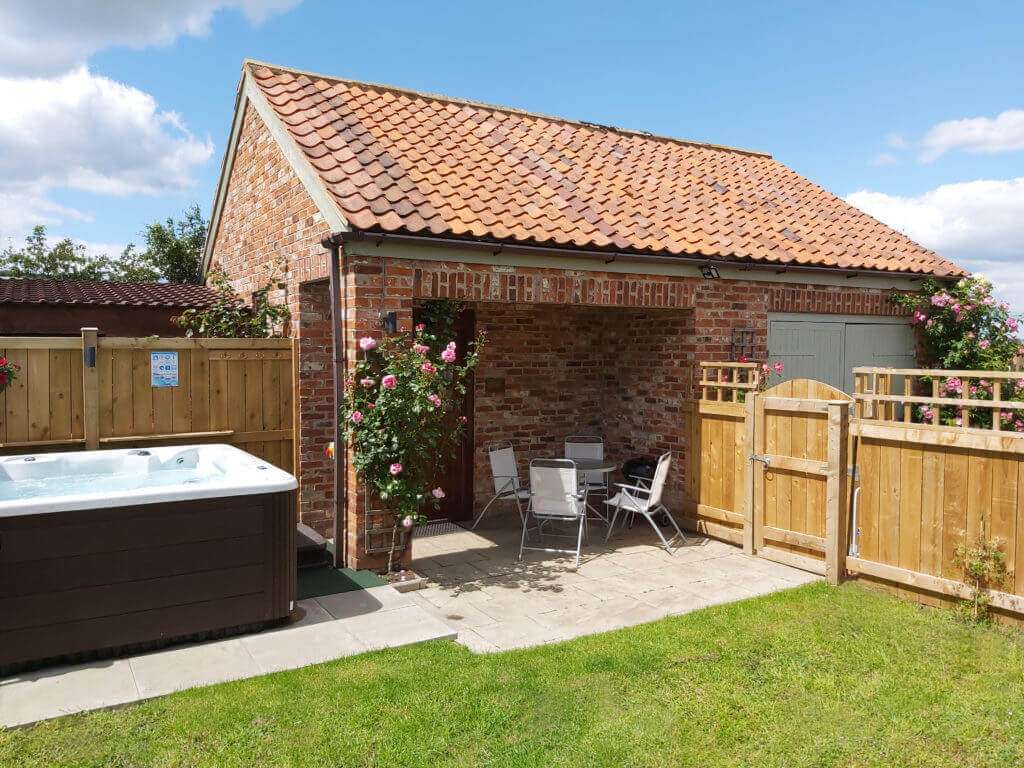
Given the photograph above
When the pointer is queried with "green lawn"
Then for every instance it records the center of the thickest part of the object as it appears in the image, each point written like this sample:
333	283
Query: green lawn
811	677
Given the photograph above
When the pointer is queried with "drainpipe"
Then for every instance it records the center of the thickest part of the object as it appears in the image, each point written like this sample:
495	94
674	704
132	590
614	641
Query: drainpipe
339	359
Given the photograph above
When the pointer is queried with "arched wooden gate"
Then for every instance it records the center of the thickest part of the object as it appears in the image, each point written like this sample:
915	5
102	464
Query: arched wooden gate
799	475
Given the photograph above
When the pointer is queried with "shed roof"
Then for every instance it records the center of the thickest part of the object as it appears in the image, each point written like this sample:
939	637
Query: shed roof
86	292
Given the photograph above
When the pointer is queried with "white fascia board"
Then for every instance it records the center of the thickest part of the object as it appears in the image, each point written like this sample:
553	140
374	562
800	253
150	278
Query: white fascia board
249	93
586	264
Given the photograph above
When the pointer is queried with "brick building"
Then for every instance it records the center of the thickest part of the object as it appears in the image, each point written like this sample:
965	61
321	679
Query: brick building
603	263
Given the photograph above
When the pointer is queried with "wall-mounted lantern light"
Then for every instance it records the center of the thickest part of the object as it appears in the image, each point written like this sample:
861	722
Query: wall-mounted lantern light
709	272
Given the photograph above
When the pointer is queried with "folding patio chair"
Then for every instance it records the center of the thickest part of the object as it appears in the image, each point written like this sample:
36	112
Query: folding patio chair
505	472
582	447
555	497
645	500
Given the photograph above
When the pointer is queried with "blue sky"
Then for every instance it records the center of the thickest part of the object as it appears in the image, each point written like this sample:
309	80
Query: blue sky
866	99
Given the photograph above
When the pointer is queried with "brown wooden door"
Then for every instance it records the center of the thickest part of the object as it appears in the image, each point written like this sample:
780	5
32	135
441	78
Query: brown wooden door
457	477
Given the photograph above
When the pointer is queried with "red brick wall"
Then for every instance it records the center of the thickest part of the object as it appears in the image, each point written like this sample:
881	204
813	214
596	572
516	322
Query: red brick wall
603	353
270	230
548	372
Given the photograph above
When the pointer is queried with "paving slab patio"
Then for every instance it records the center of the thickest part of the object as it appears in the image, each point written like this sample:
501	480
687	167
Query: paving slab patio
327	628
496	602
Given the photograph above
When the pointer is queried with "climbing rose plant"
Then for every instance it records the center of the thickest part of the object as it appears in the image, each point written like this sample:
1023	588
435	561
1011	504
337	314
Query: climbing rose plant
963	327
401	411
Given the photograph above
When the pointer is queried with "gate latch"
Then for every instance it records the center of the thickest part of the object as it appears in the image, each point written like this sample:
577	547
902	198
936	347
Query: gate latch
763	459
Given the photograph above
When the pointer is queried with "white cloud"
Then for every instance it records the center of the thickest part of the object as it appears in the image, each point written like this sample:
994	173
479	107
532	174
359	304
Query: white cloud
896	141
978	224
86	132
48	37
1003	133
884	158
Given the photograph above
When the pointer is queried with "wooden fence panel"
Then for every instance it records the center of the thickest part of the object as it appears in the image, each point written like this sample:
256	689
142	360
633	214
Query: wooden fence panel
237	391
918	502
718	471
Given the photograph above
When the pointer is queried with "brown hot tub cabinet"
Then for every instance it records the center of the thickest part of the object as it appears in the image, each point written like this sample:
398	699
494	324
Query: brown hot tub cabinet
88	582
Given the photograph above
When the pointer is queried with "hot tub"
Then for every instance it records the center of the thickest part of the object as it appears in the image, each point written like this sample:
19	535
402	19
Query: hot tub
110	551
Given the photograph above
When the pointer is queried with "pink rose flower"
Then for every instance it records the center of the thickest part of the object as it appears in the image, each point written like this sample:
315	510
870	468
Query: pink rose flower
356	417
1012	324
389	381
395	469
420	349
448	355
371	405
463	419
437	493
779	367
428	367
434	400
765	369
420	327
407	522
984	343
367	343
919	316
367	382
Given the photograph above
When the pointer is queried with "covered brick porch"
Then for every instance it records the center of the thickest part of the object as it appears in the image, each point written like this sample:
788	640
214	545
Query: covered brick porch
607	354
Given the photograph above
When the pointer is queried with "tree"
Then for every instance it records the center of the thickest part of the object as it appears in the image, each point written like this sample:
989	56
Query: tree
174	249
66	260
173	252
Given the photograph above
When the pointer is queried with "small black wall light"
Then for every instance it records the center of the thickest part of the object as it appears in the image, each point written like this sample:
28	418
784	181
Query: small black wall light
709	272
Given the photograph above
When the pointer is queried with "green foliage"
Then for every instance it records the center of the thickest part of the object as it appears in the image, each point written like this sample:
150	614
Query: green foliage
401	411
65	260
984	568
173	252
230	318
963	327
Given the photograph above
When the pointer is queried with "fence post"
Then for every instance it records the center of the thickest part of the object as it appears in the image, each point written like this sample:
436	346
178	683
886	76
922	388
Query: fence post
748	508
835	493
90	390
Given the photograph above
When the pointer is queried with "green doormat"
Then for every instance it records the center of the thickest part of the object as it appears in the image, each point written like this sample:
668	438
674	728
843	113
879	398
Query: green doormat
317	582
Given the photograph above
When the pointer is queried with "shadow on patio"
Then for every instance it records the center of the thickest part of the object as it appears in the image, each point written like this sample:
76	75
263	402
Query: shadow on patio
497	602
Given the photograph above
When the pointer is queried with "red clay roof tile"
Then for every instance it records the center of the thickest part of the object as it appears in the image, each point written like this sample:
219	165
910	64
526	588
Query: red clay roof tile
398	161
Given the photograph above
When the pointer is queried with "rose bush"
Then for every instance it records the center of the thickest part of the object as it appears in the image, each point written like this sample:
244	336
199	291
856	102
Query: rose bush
963	327
401	414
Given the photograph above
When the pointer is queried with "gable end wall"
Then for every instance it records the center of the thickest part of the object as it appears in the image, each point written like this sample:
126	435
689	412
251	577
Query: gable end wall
270	230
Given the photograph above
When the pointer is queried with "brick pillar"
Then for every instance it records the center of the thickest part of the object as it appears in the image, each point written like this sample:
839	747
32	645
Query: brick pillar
372	285
311	322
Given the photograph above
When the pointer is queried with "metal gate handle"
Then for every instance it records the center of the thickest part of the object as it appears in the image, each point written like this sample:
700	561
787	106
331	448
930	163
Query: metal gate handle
763	459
